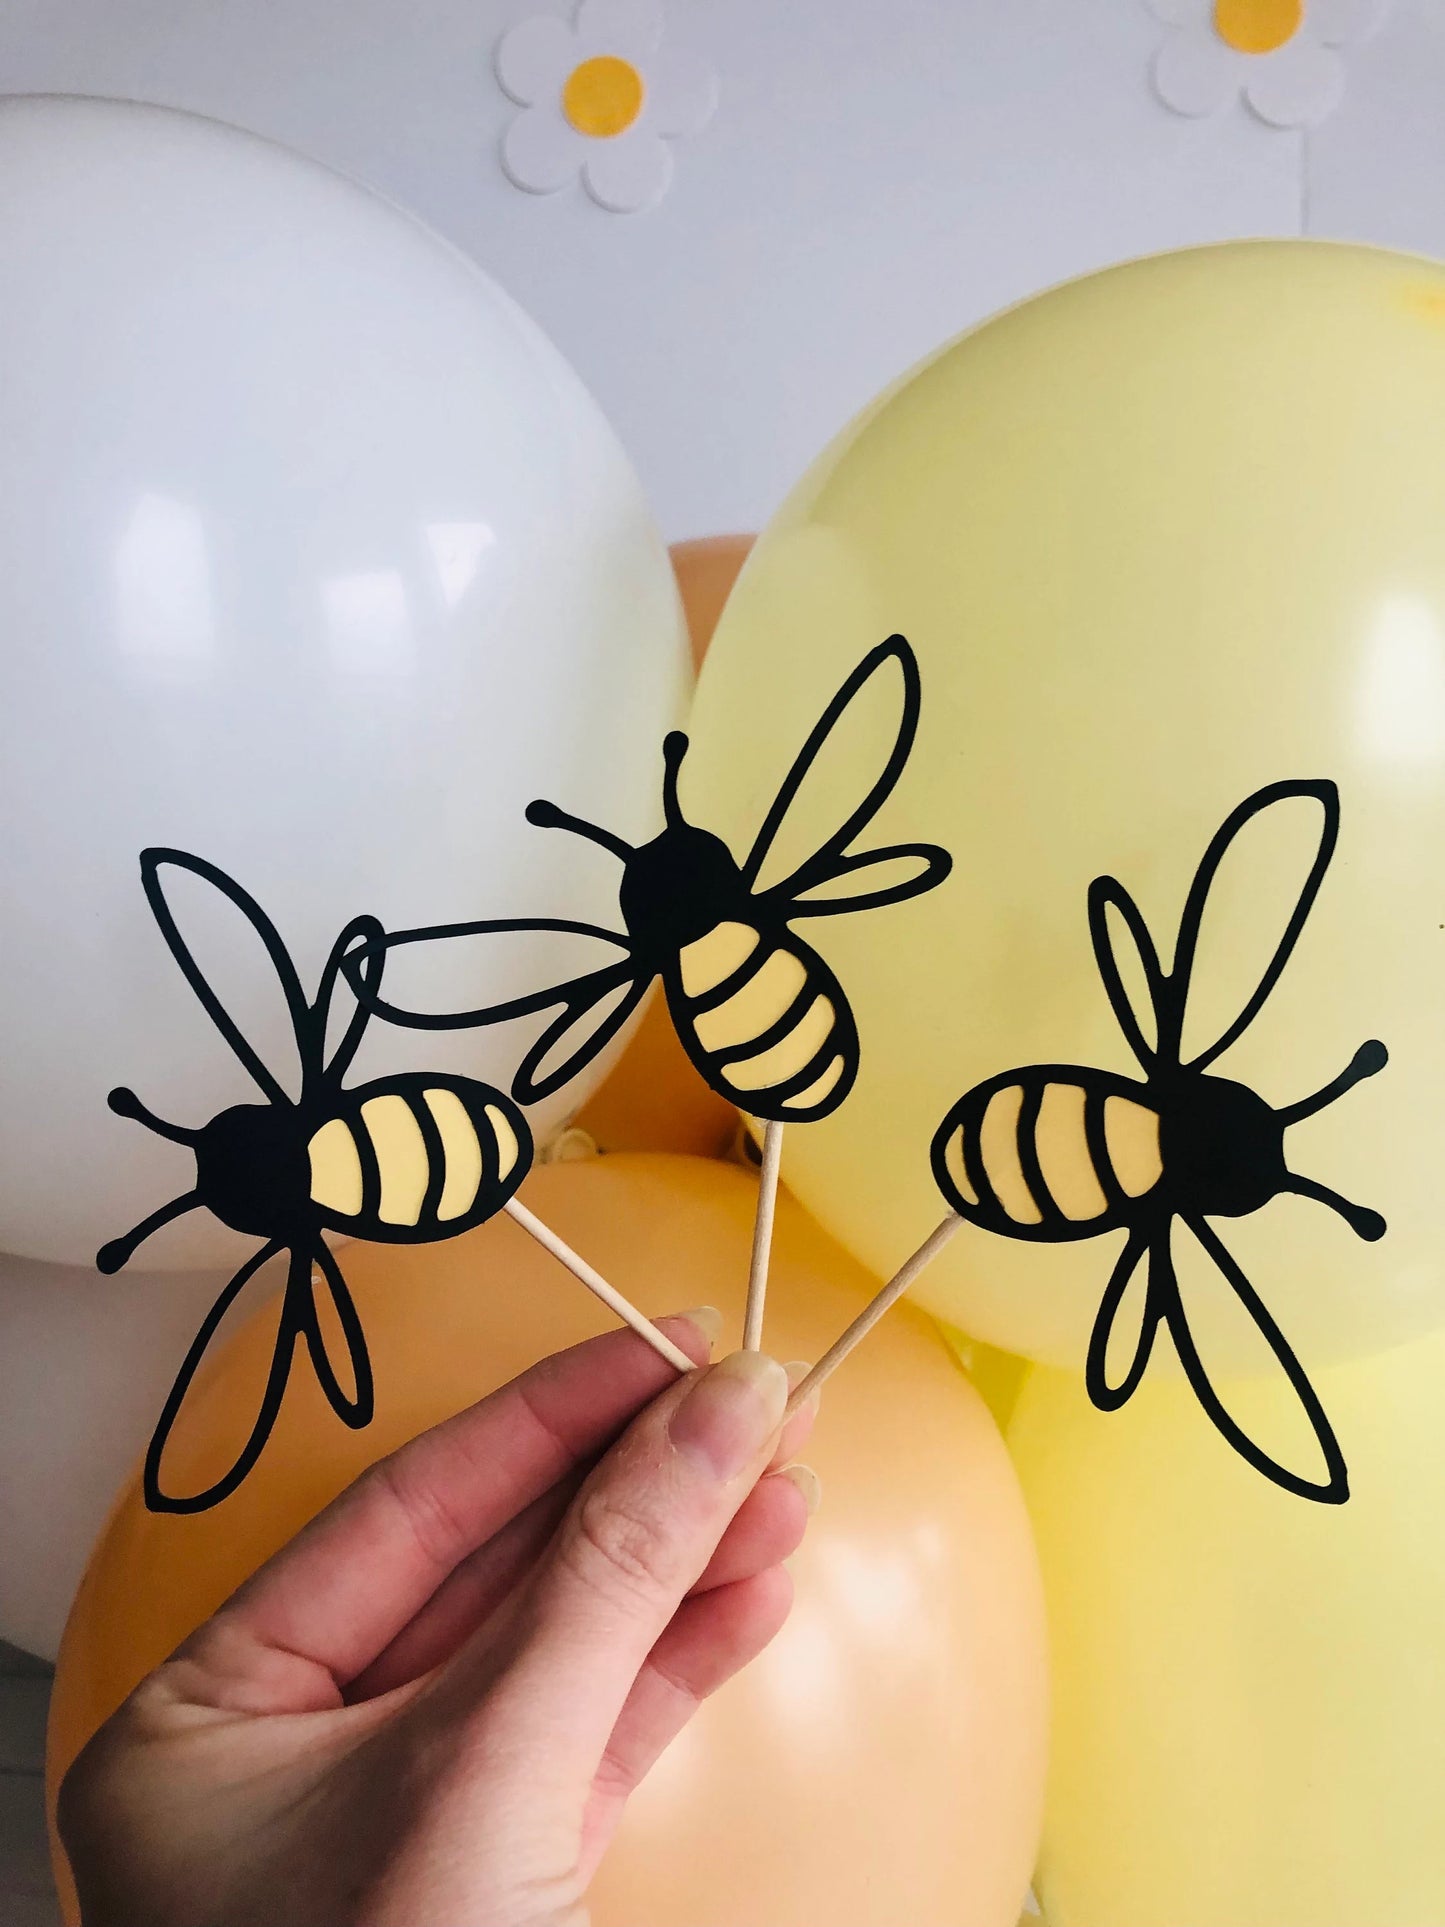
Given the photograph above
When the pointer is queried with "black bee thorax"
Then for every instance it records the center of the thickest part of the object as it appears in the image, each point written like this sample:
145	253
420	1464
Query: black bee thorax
1221	1146
673	887
252	1169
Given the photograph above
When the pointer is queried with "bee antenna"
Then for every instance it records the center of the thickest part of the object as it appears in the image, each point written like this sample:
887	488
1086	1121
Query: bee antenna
674	748
111	1257
125	1103
547	816
1365	1223
1367	1061
120	1251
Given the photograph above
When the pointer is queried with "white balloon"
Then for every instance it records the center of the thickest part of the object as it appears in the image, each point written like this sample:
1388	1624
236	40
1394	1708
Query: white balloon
316	561
85	1365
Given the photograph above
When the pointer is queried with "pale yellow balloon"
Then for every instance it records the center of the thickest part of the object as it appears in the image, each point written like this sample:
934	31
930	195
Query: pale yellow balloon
1159	538
1249	1693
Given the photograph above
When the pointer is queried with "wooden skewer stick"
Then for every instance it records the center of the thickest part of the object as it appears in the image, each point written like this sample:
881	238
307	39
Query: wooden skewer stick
762	1236
596	1283
874	1309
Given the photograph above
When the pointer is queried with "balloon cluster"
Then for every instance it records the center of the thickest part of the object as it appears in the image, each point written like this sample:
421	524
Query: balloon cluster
353	574
1154	795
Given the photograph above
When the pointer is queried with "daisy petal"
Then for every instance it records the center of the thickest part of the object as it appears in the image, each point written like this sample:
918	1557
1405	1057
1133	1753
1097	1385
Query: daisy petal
629	172
681	93
1181	13
632	28
1297	87
1195	73
1340	23
540	152
533	59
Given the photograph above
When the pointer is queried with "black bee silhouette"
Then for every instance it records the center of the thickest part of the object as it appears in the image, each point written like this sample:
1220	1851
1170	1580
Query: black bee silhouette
1057	1152
405	1159
760	1014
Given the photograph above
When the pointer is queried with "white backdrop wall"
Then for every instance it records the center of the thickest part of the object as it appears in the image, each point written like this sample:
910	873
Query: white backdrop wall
877	175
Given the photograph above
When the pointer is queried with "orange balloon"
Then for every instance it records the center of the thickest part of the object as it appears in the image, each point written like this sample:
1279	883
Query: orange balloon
706	571
654	1100
883	1761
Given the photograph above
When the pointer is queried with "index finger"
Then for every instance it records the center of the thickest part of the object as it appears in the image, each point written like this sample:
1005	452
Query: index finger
322	1609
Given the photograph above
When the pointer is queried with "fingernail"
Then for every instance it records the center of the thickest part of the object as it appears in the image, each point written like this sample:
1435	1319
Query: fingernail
708	1320
797	1372
731	1413
807	1482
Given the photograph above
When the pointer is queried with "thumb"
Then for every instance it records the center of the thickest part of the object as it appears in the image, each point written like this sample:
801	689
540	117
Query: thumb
635	1540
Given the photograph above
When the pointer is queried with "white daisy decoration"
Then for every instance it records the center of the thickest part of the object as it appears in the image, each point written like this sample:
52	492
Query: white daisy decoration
1284	57
601	99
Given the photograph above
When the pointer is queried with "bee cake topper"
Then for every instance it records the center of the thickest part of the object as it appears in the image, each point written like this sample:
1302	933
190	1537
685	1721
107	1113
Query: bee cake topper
409	1158
1053	1153
762	1017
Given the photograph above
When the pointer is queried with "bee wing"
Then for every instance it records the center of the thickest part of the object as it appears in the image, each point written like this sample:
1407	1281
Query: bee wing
1271	1415
1128	965
578	1033
183	889
1126	1324
338	1021
426	964
558	1054
872	719
199	1456
332	1330
875	877
1246	907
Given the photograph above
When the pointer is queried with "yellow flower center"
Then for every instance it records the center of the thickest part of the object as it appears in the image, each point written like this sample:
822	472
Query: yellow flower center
603	96
1257	26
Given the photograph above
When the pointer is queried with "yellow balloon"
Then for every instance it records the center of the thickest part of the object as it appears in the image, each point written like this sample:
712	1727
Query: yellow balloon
907	1694
996	1376
1249	1693
1160	538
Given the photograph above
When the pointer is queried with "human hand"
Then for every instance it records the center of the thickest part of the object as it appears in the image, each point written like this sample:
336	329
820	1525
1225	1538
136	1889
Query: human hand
430	1708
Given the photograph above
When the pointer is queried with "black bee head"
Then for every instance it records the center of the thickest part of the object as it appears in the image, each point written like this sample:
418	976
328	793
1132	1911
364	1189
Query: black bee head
252	1169
676	888
1222	1147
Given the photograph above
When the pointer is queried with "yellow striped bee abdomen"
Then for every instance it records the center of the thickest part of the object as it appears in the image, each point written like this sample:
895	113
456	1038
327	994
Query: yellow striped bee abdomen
1053	1153
764	1020
415	1157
